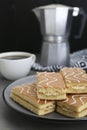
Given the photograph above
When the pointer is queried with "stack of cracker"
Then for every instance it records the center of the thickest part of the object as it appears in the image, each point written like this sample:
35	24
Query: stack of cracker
64	91
76	83
50	85
75	80
74	106
26	96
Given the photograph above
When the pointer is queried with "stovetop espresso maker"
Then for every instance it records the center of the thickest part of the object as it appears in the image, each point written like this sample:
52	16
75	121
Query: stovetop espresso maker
55	23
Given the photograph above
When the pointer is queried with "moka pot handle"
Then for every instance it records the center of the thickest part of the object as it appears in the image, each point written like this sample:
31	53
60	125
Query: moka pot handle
81	12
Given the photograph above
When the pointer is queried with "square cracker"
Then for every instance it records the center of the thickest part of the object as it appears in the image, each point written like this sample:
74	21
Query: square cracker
26	96
74	106
50	85
75	79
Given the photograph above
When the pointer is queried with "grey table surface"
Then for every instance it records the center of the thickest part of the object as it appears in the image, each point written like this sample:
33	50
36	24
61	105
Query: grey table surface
13	120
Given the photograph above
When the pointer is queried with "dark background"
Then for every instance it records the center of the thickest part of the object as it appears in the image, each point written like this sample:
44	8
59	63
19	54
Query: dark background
20	30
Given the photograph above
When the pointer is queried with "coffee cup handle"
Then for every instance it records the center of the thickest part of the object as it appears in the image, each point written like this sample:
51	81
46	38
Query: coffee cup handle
33	58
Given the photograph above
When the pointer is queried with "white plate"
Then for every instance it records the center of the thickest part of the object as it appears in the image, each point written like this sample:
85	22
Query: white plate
52	116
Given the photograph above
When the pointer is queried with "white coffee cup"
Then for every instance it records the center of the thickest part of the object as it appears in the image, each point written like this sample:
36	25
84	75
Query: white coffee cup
15	65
